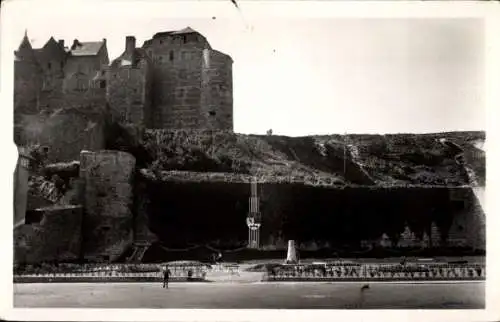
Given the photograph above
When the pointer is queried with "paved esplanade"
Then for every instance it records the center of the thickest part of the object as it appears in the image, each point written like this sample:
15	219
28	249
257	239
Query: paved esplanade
288	295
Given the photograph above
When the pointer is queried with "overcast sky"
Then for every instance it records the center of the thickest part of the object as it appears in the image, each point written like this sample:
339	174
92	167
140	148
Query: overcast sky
303	76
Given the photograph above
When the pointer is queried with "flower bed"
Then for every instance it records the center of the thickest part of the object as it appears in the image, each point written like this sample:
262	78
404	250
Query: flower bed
376	272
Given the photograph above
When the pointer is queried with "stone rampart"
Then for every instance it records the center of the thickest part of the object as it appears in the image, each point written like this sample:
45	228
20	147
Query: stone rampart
108	198
55	237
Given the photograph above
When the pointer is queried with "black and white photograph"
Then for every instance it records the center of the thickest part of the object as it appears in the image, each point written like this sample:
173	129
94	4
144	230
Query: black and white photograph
234	155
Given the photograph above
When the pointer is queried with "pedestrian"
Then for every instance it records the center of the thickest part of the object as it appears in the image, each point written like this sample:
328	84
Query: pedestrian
166	276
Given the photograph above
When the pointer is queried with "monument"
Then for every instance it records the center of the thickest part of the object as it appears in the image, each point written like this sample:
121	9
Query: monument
291	256
254	217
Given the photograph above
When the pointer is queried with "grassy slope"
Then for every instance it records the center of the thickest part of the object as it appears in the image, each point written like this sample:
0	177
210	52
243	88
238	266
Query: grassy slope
401	159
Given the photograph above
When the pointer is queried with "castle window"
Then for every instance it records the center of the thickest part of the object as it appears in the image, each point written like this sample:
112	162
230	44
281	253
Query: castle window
49	65
102	84
184	39
211	113
171	55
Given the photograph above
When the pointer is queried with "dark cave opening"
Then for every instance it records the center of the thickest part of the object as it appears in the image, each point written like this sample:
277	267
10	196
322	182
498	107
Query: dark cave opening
193	214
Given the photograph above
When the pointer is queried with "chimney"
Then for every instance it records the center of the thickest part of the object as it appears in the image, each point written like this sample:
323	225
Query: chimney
130	45
76	43
104	40
61	42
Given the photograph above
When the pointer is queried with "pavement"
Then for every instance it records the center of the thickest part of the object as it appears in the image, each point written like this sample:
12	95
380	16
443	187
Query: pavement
254	295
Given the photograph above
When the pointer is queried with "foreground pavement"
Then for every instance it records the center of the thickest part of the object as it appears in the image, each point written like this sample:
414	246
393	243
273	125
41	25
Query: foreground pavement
289	295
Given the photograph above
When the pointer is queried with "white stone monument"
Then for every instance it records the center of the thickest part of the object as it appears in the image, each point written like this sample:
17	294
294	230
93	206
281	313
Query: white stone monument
291	256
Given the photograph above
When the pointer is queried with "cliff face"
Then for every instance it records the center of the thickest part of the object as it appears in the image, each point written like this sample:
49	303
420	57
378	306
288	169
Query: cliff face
191	188
332	190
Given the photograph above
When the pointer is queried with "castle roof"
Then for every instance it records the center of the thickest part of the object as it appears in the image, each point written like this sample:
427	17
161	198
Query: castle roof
25	51
90	48
187	30
25	43
52	42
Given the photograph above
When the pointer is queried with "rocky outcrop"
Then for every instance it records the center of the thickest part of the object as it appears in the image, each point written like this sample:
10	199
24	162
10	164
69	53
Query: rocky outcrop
380	160
192	188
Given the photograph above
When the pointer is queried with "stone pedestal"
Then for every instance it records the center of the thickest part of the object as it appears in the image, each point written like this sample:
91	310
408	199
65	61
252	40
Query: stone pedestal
291	256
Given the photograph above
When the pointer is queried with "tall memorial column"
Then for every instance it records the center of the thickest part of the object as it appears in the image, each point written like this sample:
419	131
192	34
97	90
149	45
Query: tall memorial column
254	217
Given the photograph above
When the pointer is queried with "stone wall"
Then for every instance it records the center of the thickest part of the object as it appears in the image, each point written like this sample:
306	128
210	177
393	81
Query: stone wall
57	236
108	223
469	227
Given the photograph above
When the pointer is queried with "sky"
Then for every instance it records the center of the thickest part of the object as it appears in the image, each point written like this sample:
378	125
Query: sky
301	76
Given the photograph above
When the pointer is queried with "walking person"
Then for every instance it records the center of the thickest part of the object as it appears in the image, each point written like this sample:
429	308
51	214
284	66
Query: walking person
166	276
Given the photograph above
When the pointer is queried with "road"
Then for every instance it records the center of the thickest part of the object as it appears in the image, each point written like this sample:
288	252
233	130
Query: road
288	295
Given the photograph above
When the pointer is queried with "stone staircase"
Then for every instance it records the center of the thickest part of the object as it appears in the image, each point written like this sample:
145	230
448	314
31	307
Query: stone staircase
138	252
233	274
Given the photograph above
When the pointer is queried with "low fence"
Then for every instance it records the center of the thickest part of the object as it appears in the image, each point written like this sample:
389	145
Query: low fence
315	272
121	273
376	272
106	268
86	278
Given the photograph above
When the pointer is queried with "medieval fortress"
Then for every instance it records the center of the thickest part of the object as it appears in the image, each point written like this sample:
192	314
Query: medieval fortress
174	81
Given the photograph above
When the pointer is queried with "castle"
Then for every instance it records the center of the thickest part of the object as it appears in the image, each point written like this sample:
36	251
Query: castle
174	81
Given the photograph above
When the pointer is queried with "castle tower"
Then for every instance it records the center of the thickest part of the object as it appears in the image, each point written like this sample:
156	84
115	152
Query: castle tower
128	90
52	59
217	89
182	61
27	80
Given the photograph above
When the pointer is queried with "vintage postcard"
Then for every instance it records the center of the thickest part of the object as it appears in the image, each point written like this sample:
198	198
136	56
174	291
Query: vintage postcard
249	160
